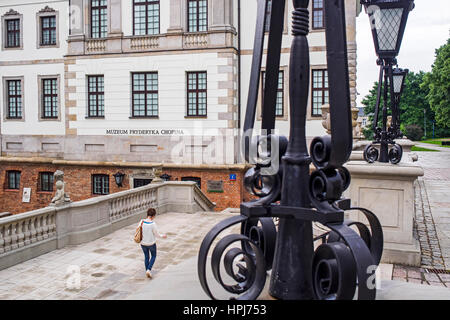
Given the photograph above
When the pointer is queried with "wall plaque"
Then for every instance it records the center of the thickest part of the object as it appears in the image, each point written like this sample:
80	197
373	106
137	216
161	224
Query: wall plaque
215	186
26	195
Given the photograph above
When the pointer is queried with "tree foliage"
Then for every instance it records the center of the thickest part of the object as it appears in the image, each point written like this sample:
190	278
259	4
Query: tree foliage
438	84
425	99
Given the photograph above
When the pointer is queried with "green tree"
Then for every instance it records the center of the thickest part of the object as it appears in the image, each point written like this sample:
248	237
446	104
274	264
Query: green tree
412	105
438	84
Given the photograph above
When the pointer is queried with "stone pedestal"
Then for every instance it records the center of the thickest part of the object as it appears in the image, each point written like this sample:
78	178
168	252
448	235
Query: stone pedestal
388	191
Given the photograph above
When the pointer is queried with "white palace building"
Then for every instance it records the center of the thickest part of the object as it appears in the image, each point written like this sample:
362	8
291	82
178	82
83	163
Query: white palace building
93	87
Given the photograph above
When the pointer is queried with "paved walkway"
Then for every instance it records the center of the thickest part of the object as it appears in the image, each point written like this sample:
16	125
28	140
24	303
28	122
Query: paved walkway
432	220
112	267
109	268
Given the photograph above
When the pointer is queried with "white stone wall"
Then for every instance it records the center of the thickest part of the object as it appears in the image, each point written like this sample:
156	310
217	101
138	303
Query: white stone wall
172	92
31	62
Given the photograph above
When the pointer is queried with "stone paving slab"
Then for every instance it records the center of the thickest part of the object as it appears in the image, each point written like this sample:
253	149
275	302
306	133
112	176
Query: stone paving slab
181	283
108	268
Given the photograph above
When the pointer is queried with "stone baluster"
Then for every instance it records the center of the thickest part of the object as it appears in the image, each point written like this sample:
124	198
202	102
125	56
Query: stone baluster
20	233
8	237
2	240
14	237
45	226
33	231
26	232
39	229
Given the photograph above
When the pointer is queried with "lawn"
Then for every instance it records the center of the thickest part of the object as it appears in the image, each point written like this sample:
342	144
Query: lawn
437	142
422	149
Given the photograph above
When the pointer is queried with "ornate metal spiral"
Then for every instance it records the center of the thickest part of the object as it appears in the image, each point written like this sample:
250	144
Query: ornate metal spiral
263	233
321	151
250	276
329	184
263	186
371	153
396	154
373	238
334	272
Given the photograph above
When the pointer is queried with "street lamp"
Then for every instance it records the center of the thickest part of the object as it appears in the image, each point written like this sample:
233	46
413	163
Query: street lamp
388	21
119	178
399	76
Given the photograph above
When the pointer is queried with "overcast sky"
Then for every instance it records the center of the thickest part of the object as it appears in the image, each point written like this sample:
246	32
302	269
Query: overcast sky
427	29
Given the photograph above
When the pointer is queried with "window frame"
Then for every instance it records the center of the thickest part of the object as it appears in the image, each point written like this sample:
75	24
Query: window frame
102	177
280	76
197	180
322	89
16	96
146	3
145	92
11	15
49	29
41	79
197	16
46	13
91	15
51	181
197	91
8	182
95	93
313	10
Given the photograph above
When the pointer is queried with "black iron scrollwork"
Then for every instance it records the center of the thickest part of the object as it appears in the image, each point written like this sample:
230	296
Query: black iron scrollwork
350	251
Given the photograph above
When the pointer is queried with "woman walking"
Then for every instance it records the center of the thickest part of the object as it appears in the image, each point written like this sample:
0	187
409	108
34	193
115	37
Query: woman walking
148	243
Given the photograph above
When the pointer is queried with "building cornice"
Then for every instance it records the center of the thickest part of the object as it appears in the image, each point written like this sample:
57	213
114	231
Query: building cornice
121	164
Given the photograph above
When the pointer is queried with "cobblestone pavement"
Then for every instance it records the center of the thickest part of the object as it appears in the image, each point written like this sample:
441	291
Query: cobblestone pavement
432	221
109	268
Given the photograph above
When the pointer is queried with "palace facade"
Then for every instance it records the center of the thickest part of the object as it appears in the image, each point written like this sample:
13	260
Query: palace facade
99	87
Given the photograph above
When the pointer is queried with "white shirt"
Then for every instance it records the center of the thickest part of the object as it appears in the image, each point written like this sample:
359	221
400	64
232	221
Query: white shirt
149	233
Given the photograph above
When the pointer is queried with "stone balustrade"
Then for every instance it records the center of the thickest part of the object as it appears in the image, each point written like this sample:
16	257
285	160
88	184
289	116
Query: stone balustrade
95	46
144	43
28	235
195	40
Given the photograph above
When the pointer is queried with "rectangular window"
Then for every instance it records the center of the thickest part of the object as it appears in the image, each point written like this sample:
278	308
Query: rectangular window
279	109
318	14
96	96
100	184
48	31
13	33
146	17
198	181
268	16
319	91
46	181
197	15
196	94
137	183
14	99
13	180
99	18
49	98
145	94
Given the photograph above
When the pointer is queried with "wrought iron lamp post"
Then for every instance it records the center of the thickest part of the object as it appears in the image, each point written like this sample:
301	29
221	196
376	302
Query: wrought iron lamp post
388	21
399	76
345	260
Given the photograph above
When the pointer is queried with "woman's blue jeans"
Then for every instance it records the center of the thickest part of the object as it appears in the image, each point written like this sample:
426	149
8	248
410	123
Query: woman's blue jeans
147	251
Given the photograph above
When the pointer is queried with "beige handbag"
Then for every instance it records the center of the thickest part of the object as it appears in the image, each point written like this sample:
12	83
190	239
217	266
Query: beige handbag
138	234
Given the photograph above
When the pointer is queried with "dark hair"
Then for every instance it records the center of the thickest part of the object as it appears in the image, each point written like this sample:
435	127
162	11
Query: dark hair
151	212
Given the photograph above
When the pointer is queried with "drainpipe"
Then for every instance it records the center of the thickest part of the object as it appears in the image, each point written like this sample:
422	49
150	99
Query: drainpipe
239	82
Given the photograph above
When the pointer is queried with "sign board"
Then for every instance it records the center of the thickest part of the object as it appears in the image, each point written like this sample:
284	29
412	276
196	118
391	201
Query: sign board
233	177
26	198
215	186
